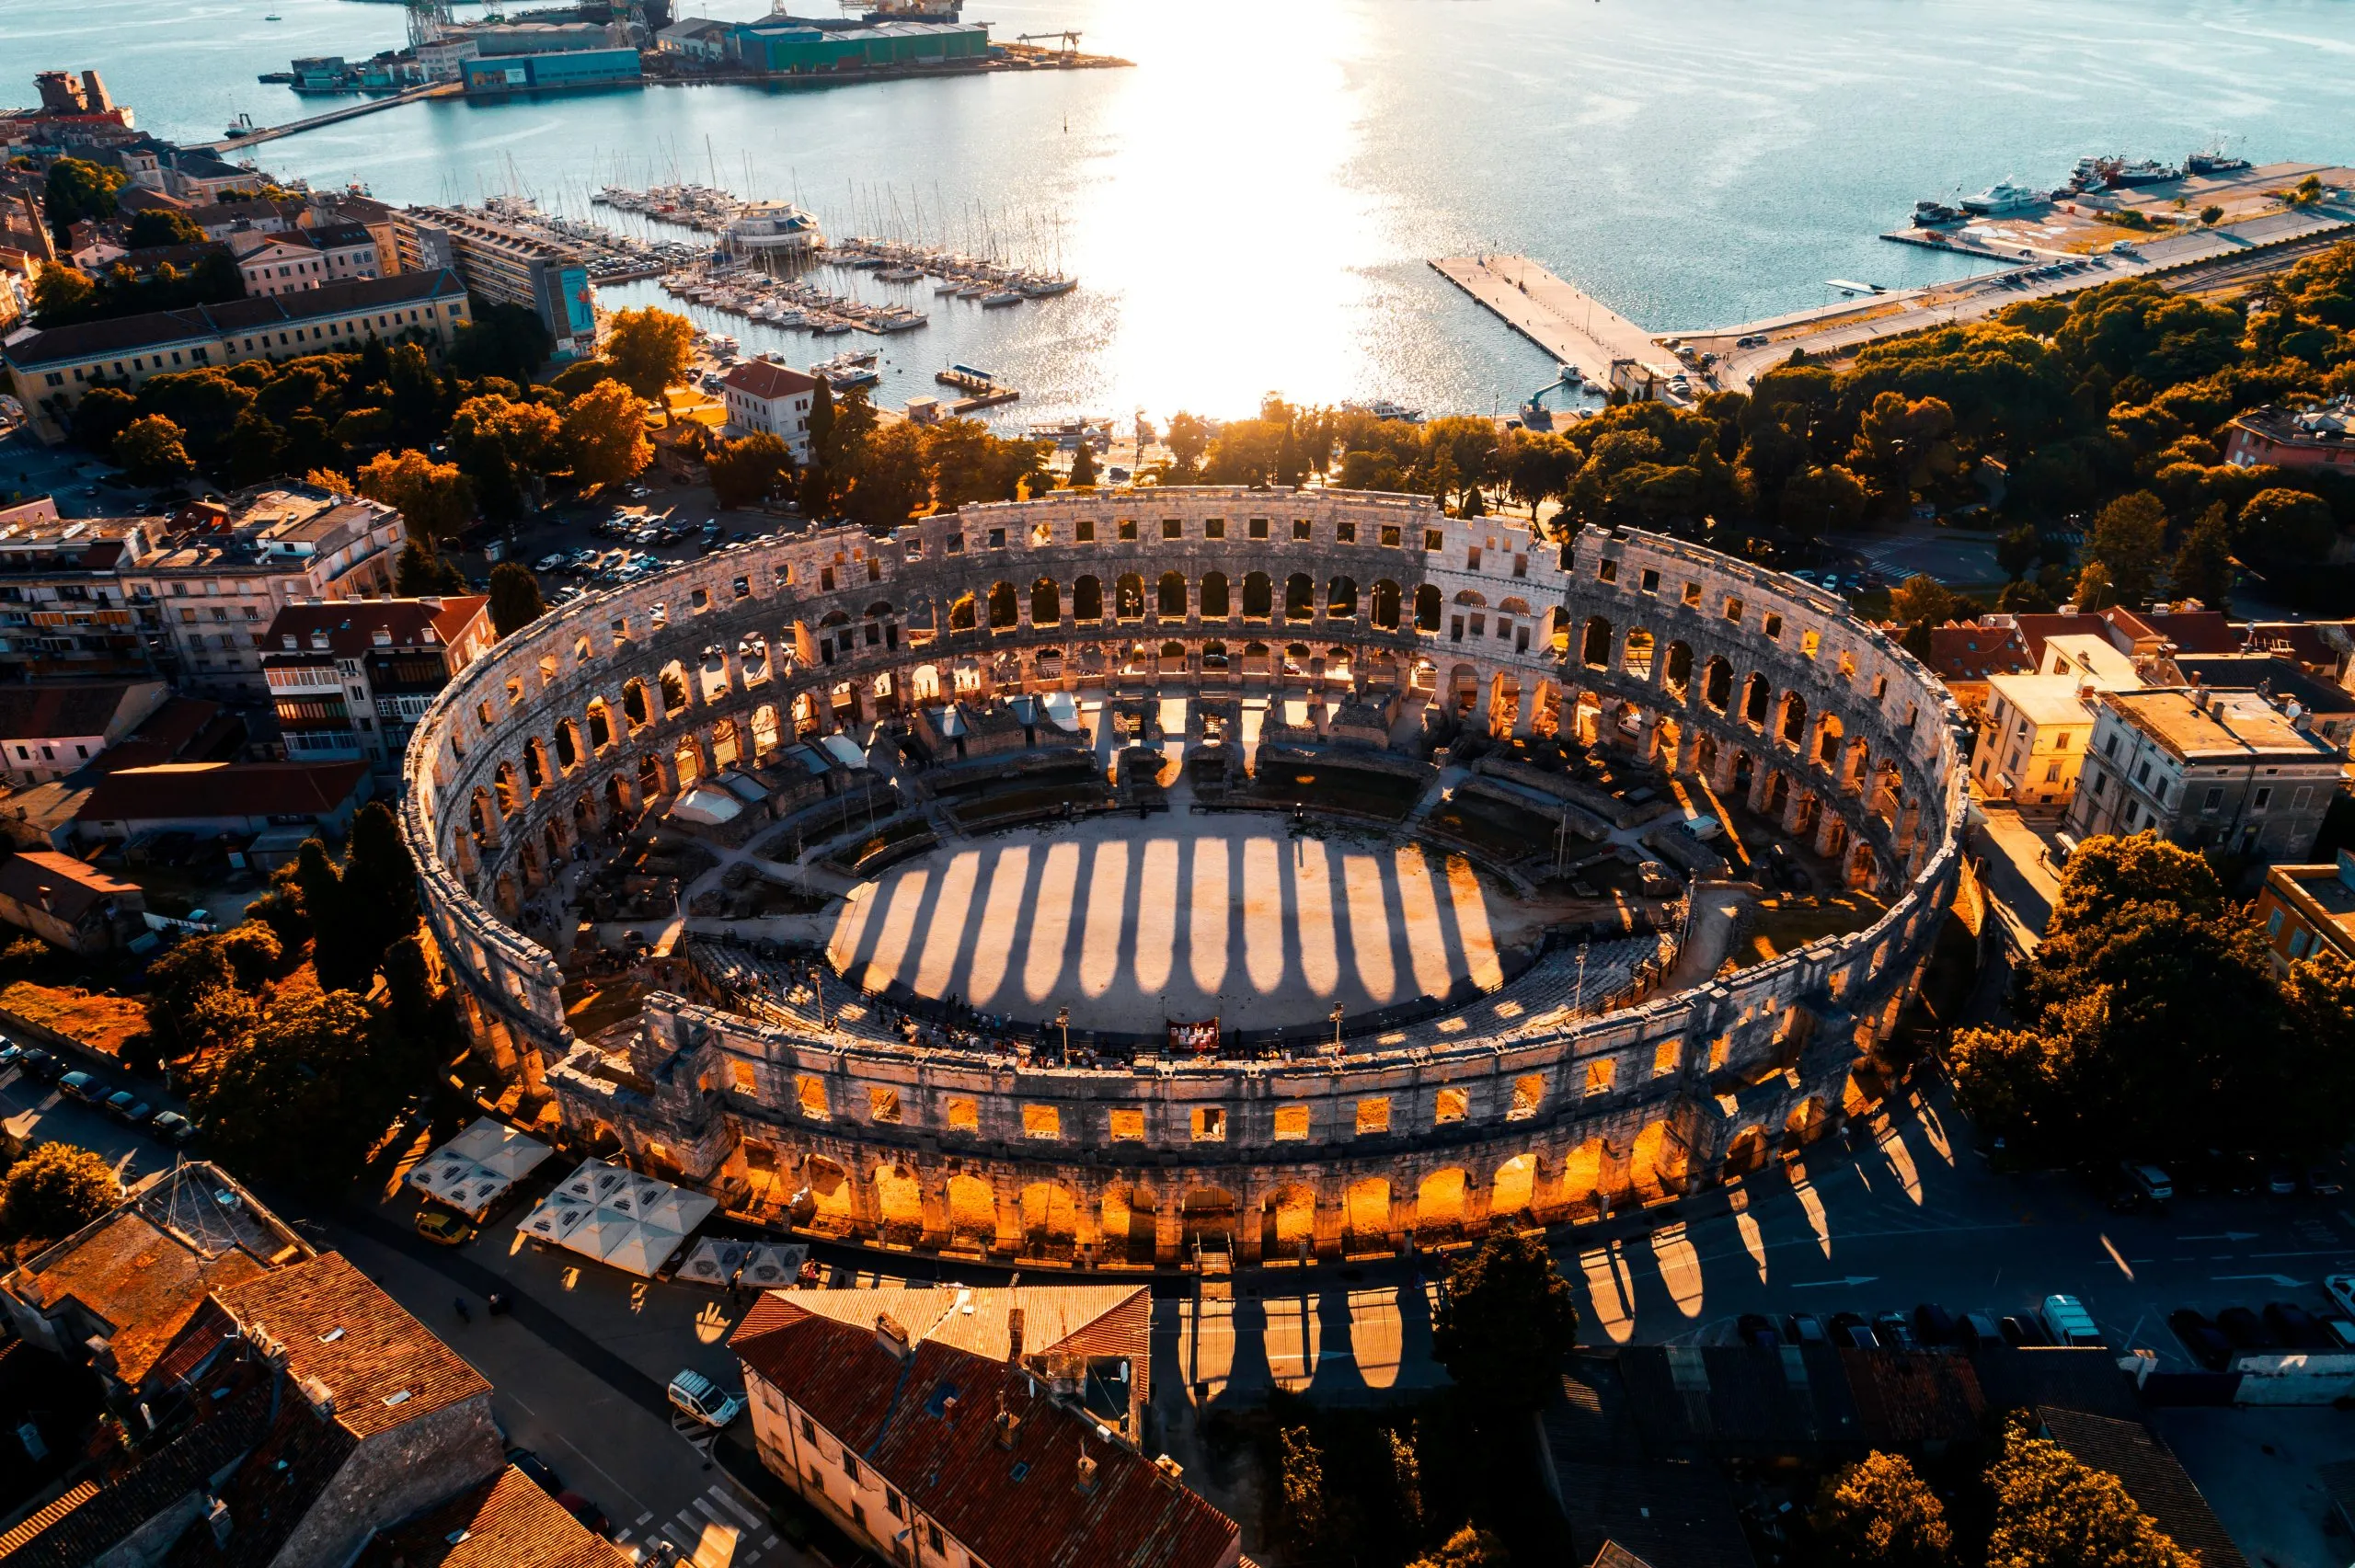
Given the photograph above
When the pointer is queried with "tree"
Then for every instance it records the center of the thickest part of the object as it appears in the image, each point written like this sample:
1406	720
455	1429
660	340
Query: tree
2052	1512
78	189
651	349
1879	1514
63	294
2016	550
2288	526
2203	568
604	435
306	1093
819	486
338	943
1505	1322
379	881
422	570
104	413
1819	500
889	482
515	601
151	449
1467	1548
1082	466
1187	437
161	226
2128	538
433	499
1923	601
500	339
749	470
55	1190
1301	1481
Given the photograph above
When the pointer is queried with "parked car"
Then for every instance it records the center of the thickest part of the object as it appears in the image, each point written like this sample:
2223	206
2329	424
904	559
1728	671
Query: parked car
2324	1183
2342	1290
2203	1339
2281	1182
2153	1183
2023	1333
694	1395
1753	1329
2066	1320
2341	1331
10	1053
1977	1331
1894	1333
1934	1324
592	1517
548	563
119	1104
172	1128
1804	1328
443	1226
2297	1327
535	1471
81	1086
138	1113
2246	1330
1851	1330
41	1067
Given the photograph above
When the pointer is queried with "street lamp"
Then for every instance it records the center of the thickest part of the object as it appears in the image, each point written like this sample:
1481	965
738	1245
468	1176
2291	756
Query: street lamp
1337	1010
1063	1022
817	984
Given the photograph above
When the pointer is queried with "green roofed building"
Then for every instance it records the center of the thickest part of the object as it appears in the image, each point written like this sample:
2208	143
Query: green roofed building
789	44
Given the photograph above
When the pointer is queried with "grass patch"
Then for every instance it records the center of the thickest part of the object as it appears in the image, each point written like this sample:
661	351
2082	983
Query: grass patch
101	1023
591	1006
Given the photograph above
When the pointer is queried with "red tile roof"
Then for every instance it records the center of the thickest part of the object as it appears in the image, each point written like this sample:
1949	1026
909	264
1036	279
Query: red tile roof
350	626
505	1522
928	1426
44	879
1968	651
182	790
2036	629
767	379
2191	631
34	713
382	1366
2303	640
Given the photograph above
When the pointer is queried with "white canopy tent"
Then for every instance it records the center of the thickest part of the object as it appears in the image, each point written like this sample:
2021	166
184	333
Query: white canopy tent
773	1266
713	1262
556	1217
618	1217
477	1168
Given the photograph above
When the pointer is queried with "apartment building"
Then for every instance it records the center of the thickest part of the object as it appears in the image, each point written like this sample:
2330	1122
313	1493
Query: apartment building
51	370
2207	769
351	679
765	396
50	730
296	259
504	263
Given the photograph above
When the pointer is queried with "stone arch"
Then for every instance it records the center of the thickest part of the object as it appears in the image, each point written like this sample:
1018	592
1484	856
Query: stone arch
1470	599
1595	651
1169	597
638	706
899	1205
764	730
1005	607
826	1193
601	725
1582	1176
964	612
1440	1209
1636	654
1747	1152
1128	597
1046	603
1126	1221
482	818
536	772
1808	1120
1717	684
972	1210
1757	699
672	680
1300	597
1385	606
1828	733
688	762
727	747
504	785
1341	598
1659	1163
650	776
1258	597
1428	607
1513	1189
1778	795
567	745
1704	755
1208	1217
1793	728
1863	865
1088	598
1366	1214
1217	598
1288	1221
1050	1219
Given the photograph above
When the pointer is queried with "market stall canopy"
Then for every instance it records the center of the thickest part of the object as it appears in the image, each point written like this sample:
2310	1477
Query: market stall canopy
713	1262
556	1217
618	1217
498	1149
773	1266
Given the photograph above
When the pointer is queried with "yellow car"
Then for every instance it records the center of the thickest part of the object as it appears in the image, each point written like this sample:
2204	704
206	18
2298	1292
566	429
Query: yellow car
440	1225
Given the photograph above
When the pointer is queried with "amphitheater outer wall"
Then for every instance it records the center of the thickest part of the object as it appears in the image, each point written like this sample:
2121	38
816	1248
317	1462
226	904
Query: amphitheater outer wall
1706	664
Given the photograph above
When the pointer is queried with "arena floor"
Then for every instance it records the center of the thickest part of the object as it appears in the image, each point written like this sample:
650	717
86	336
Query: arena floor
1131	922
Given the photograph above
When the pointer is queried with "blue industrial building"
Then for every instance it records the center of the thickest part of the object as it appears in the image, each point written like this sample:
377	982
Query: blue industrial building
546	72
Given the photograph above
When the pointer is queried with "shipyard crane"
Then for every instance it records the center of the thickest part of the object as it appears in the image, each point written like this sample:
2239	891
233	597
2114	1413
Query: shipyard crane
427	20
1070	39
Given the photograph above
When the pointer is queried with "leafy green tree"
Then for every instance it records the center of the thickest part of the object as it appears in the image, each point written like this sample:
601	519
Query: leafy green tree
433	499
1879	1514
1923	601
104	413
1822	500
515	601
1467	1548
2203	568
820	487
2128	539
604	435
2052	1512
890	482
280	909
2288	526
78	189
340	942
1301	1517
1187	437
151	451
749	470
159	226
1082	467
421	570
1505	1322
2016	551
651	349
304	1093
55	1190
499	339
63	295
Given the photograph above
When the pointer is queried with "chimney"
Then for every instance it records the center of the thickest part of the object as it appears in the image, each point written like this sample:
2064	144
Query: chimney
1169	1469
217	1518
1087	1473
1014	1334
1006	1423
322	1398
892	1337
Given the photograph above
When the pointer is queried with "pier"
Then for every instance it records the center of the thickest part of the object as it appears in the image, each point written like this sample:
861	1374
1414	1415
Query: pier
333	117
1566	322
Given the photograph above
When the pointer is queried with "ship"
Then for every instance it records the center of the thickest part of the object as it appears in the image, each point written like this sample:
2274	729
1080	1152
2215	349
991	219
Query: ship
846	370
1936	215
2215	162
2117	174
2005	196
773	228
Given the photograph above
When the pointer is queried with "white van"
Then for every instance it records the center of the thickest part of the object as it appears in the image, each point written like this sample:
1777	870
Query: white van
2066	1320
693	1394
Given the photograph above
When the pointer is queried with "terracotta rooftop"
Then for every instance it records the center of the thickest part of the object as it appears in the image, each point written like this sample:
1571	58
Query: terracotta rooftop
767	379
187	790
929	1425
44	879
1968	651
83	707
2152	1476
350	626
382	1365
506	1522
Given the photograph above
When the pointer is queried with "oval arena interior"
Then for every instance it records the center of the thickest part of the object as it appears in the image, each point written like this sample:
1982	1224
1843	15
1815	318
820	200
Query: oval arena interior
889	858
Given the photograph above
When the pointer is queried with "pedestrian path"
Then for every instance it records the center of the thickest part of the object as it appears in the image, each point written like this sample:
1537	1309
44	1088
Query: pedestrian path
715	1530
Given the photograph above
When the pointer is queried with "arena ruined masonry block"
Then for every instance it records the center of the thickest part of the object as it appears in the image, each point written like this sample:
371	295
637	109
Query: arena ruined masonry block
1719	670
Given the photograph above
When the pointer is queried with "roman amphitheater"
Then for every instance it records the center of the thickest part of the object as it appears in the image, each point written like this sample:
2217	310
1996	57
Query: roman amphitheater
1146	877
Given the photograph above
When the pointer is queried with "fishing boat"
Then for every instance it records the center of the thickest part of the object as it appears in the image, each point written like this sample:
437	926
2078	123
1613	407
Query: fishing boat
1001	297
899	274
1042	288
846	370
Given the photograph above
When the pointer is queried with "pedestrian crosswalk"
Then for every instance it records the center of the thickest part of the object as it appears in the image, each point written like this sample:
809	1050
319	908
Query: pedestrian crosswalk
711	1531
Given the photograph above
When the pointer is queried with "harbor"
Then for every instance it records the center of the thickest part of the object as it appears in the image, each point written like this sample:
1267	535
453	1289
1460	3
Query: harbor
1607	349
242	136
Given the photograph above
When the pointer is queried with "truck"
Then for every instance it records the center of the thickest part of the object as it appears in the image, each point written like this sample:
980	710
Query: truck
2066	1320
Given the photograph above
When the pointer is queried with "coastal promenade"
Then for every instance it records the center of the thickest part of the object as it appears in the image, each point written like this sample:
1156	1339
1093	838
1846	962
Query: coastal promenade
1566	322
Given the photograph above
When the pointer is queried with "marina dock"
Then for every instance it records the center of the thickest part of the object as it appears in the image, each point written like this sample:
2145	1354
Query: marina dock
333	117
1564	321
